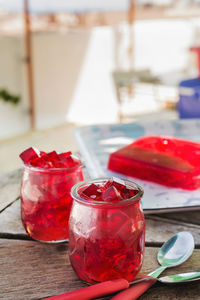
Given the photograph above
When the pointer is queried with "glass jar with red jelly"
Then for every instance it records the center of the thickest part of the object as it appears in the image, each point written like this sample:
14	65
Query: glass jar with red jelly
106	230
45	197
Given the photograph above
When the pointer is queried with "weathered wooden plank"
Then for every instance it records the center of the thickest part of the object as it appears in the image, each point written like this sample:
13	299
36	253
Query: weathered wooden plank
9	187
158	229
32	270
10	220
182	291
192	216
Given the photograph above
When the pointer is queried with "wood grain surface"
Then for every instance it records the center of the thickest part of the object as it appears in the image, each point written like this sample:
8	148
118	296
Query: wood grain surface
36	270
33	270
9	188
158	229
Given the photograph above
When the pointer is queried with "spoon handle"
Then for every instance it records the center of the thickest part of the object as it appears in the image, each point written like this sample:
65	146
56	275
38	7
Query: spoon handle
157	272
141	287
135	291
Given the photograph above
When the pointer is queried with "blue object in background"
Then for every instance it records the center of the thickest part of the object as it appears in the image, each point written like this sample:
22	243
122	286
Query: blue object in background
189	98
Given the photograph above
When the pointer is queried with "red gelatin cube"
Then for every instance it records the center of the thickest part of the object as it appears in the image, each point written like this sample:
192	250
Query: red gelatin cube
122	226
116	182
42	153
119	184
67	161
63	157
29	154
48	165
72	162
44	156
92	191
65	154
41	162
52	156
59	164
111	194
128	193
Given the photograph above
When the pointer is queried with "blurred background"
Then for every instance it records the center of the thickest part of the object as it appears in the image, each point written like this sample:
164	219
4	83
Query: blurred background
73	63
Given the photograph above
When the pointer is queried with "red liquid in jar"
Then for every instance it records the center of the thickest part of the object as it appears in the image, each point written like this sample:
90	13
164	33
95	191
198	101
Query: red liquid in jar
106	242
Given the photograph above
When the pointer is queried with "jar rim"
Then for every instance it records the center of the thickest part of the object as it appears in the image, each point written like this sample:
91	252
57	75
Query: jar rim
40	169
77	197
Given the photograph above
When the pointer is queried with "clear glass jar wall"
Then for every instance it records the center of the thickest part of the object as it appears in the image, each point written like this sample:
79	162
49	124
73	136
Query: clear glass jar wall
106	240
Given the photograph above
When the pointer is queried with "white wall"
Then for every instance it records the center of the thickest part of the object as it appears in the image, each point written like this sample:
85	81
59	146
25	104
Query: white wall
72	71
72	76
14	120
94	100
58	60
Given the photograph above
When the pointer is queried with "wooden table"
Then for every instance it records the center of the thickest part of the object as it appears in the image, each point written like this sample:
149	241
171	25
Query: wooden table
33	270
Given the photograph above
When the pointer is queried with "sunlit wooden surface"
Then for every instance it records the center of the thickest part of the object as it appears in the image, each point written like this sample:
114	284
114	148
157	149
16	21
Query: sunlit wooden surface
33	270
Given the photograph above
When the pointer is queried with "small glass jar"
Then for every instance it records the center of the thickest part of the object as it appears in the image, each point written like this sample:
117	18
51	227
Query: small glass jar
106	240
46	201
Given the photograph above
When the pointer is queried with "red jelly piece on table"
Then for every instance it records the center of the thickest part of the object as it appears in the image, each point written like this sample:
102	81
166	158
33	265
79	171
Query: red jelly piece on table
166	160
29	154
111	194
92	192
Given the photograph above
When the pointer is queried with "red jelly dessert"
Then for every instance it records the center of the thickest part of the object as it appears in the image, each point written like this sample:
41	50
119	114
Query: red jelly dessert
45	193
106	230
166	160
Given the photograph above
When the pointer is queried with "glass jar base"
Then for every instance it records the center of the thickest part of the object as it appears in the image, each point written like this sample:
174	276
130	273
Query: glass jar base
51	242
